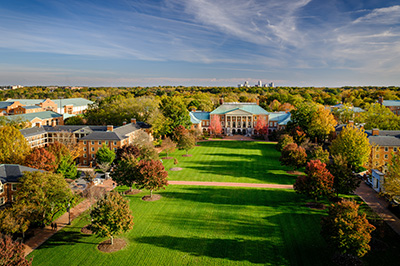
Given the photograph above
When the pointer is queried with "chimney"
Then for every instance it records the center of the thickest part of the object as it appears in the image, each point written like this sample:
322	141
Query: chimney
133	120
380	100
375	132
110	128
124	123
258	101
193	110
221	100
351	123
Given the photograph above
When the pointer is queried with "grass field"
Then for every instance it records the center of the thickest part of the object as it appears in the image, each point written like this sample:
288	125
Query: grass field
203	226
192	225
230	161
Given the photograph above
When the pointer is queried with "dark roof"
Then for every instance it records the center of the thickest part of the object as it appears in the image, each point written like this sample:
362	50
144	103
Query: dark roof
13	172
5	104
26	132
74	128
384	140
110	135
126	129
393	133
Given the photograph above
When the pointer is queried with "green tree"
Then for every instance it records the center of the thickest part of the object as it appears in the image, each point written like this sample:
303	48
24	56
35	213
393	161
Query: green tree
318	153
187	142
175	109
379	116
111	216
67	167
46	194
293	155
126	171
283	141
14	219
74	120
318	181
347	230
13	146
152	176
353	144
345	181
392	178
105	155
12	253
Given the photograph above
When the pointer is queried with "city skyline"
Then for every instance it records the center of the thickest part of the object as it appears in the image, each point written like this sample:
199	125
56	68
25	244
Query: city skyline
200	42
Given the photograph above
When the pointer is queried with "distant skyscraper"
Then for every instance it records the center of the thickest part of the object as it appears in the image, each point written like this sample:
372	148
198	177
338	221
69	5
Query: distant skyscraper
271	85
246	84
259	83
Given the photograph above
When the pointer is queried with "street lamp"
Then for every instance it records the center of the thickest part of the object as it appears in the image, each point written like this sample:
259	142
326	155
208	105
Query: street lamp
69	213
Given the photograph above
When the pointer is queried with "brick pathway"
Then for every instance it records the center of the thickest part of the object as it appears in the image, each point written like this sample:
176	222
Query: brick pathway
229	184
379	205
42	234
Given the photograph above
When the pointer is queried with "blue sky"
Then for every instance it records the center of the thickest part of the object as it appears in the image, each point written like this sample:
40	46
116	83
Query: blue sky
199	42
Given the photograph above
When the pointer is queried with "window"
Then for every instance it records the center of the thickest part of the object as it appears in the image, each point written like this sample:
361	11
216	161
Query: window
386	148
84	149
13	187
84	142
92	155
115	143
84	162
2	201
395	149
106	142
84	155
1	188
386	156
99	142
377	148
115	149
376	164
92	149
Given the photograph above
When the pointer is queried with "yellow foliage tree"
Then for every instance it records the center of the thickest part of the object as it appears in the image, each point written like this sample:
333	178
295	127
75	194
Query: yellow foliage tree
322	123
13	145
353	144
392	178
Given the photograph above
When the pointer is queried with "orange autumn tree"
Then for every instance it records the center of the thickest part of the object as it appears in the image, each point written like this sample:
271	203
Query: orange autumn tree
215	125
261	125
41	159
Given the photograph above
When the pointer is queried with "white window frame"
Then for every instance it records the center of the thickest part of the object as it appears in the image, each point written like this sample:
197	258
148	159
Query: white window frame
2	200
13	187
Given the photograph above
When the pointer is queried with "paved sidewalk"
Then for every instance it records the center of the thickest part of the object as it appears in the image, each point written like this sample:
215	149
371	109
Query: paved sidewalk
379	205
229	184
42	234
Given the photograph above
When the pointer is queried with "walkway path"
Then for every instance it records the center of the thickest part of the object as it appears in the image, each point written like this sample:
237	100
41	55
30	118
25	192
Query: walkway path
379	205
42	234
229	184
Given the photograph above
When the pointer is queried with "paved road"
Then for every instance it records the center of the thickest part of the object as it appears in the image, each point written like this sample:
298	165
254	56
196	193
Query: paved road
229	184
379	205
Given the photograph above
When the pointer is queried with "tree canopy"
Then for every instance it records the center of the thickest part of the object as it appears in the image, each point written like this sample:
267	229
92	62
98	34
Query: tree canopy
13	146
40	158
152	175
105	155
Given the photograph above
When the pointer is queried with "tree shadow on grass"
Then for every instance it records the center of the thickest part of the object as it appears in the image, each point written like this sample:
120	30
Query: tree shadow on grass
67	237
253	251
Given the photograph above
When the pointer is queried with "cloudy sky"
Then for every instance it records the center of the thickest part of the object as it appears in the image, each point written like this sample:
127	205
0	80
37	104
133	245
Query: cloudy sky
199	42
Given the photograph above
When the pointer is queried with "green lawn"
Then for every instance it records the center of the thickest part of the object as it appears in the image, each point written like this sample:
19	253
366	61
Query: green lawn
203	226
230	161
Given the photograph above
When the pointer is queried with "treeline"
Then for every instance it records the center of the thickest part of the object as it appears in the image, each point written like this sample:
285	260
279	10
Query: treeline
357	96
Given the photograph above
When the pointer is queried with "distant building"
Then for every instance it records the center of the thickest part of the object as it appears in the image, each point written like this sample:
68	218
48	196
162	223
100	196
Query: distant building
259	83
393	105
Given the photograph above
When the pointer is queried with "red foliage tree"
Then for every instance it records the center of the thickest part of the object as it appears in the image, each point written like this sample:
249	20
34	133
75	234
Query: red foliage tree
215	125
59	150
293	155
42	159
179	132
126	151
347	230
261	125
318	181
152	175
12	253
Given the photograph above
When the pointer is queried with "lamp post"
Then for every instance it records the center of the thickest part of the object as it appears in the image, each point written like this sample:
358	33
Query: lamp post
69	213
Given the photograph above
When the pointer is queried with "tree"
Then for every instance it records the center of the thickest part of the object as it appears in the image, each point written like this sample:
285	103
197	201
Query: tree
152	176
105	155
353	144
160	125
41	159
215	125
74	120
67	167
13	146
187	142
126	151
141	139
283	141
59	150
318	153
68	139
126	171
293	155
261	125
14	219
175	109
45	194
322	123
179	132
345	180
317	182
168	146
379	116
392	178
12	253
347	230
111	216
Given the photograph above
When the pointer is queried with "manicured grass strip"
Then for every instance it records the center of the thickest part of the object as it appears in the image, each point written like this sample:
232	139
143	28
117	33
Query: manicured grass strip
230	161
203	226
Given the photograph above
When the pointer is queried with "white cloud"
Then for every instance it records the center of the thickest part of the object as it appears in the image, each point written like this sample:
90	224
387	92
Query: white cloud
387	15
